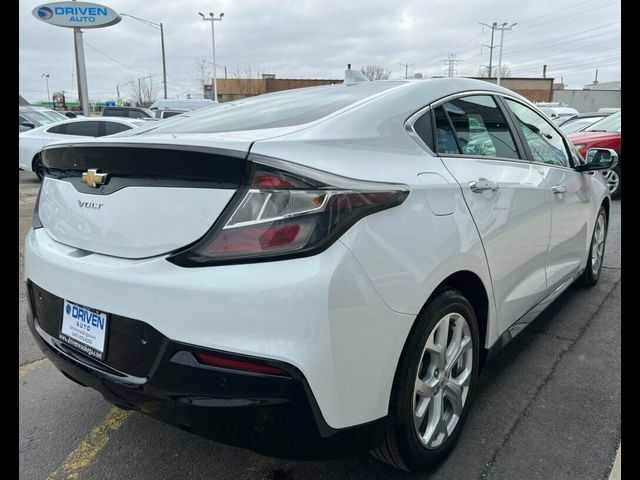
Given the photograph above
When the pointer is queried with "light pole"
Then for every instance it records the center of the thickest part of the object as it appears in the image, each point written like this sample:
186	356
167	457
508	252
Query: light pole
157	26
46	78
213	20
502	28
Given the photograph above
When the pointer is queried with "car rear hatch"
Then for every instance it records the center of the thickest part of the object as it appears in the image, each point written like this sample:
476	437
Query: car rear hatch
139	197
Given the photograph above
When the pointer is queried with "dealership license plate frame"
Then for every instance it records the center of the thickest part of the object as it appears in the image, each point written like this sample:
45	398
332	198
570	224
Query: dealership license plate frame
79	340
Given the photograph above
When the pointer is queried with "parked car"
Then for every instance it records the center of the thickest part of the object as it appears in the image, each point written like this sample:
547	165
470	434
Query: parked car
52	114
29	117
186	104
128	112
31	142
559	114
316	271
605	133
162	114
580	122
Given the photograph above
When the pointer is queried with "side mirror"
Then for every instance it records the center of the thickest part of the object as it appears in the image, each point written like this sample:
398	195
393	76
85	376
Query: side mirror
599	159
28	124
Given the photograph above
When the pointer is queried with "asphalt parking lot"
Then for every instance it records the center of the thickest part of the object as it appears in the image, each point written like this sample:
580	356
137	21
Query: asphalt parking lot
548	406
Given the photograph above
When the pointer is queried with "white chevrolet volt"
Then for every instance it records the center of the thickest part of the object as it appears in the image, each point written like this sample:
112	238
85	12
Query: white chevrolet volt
314	272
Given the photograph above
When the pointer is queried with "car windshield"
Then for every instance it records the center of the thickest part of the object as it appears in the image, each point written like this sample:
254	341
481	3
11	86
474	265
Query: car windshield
612	123
38	118
282	109
53	115
578	124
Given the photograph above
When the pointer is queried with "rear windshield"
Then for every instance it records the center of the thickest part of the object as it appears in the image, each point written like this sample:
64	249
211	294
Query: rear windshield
612	123
282	109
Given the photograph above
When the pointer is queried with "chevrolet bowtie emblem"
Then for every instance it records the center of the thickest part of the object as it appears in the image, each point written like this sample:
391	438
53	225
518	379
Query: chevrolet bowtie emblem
92	178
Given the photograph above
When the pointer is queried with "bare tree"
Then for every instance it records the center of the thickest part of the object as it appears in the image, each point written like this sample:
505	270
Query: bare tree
505	71
375	72
143	91
202	73
251	83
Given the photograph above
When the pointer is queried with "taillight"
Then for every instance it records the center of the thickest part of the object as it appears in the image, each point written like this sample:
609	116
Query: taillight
285	210
215	361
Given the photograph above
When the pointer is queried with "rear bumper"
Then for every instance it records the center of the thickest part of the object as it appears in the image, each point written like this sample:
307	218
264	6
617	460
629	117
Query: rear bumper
320	315
272	414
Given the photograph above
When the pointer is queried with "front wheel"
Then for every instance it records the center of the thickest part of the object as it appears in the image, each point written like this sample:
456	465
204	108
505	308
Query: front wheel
614	181
591	273
433	386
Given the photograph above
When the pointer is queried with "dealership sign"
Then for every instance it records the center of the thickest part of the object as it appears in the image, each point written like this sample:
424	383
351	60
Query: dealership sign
76	14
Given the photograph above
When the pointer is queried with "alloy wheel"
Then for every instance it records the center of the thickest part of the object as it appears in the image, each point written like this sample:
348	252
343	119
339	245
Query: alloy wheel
613	180
597	247
443	380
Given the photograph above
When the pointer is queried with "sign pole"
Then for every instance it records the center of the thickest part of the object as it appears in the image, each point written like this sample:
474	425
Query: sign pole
81	72
70	15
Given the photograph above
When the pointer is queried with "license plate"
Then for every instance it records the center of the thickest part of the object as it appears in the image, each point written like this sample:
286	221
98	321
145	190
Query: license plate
84	329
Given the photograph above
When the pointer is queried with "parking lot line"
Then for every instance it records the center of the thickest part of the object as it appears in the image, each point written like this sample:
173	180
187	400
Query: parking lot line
24	370
90	446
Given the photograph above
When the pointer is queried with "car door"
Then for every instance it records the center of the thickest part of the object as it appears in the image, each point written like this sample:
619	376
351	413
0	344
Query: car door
571	206
505	195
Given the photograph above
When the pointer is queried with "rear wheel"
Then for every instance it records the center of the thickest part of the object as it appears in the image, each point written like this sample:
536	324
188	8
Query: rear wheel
38	167
591	273
433	386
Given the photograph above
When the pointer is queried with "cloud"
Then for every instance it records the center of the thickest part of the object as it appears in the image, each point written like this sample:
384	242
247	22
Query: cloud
313	39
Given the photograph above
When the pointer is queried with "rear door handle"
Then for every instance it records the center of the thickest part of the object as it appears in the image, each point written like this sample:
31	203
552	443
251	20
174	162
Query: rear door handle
559	189
482	184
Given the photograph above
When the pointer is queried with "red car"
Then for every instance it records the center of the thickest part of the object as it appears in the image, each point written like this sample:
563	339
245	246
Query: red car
605	133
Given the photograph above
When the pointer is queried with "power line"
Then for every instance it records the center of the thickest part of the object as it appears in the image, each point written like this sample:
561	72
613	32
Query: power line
113	59
569	16
551	41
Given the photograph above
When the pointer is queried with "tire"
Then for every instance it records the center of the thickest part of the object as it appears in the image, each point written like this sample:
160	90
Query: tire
38	167
402	447
614	177
591	273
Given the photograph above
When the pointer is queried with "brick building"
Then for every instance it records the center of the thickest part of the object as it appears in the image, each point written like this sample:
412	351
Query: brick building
235	88
533	89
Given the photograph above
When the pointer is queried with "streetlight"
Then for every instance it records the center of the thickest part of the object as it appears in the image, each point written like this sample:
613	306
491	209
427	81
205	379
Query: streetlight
157	26
46	78
212	19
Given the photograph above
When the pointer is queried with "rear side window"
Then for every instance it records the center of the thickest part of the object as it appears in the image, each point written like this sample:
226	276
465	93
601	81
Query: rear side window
113	112
84	129
546	145
445	138
480	127
59	129
113	127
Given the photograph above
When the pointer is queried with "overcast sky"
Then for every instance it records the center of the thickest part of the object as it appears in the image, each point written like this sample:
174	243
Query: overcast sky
316	39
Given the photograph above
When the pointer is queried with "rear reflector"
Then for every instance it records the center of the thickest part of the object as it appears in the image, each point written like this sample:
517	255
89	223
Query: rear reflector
238	365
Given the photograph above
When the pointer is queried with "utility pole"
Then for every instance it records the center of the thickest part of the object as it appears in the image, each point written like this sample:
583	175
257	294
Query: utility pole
157	26
213	20
164	65
493	28
406	68
544	71
502	29
451	60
